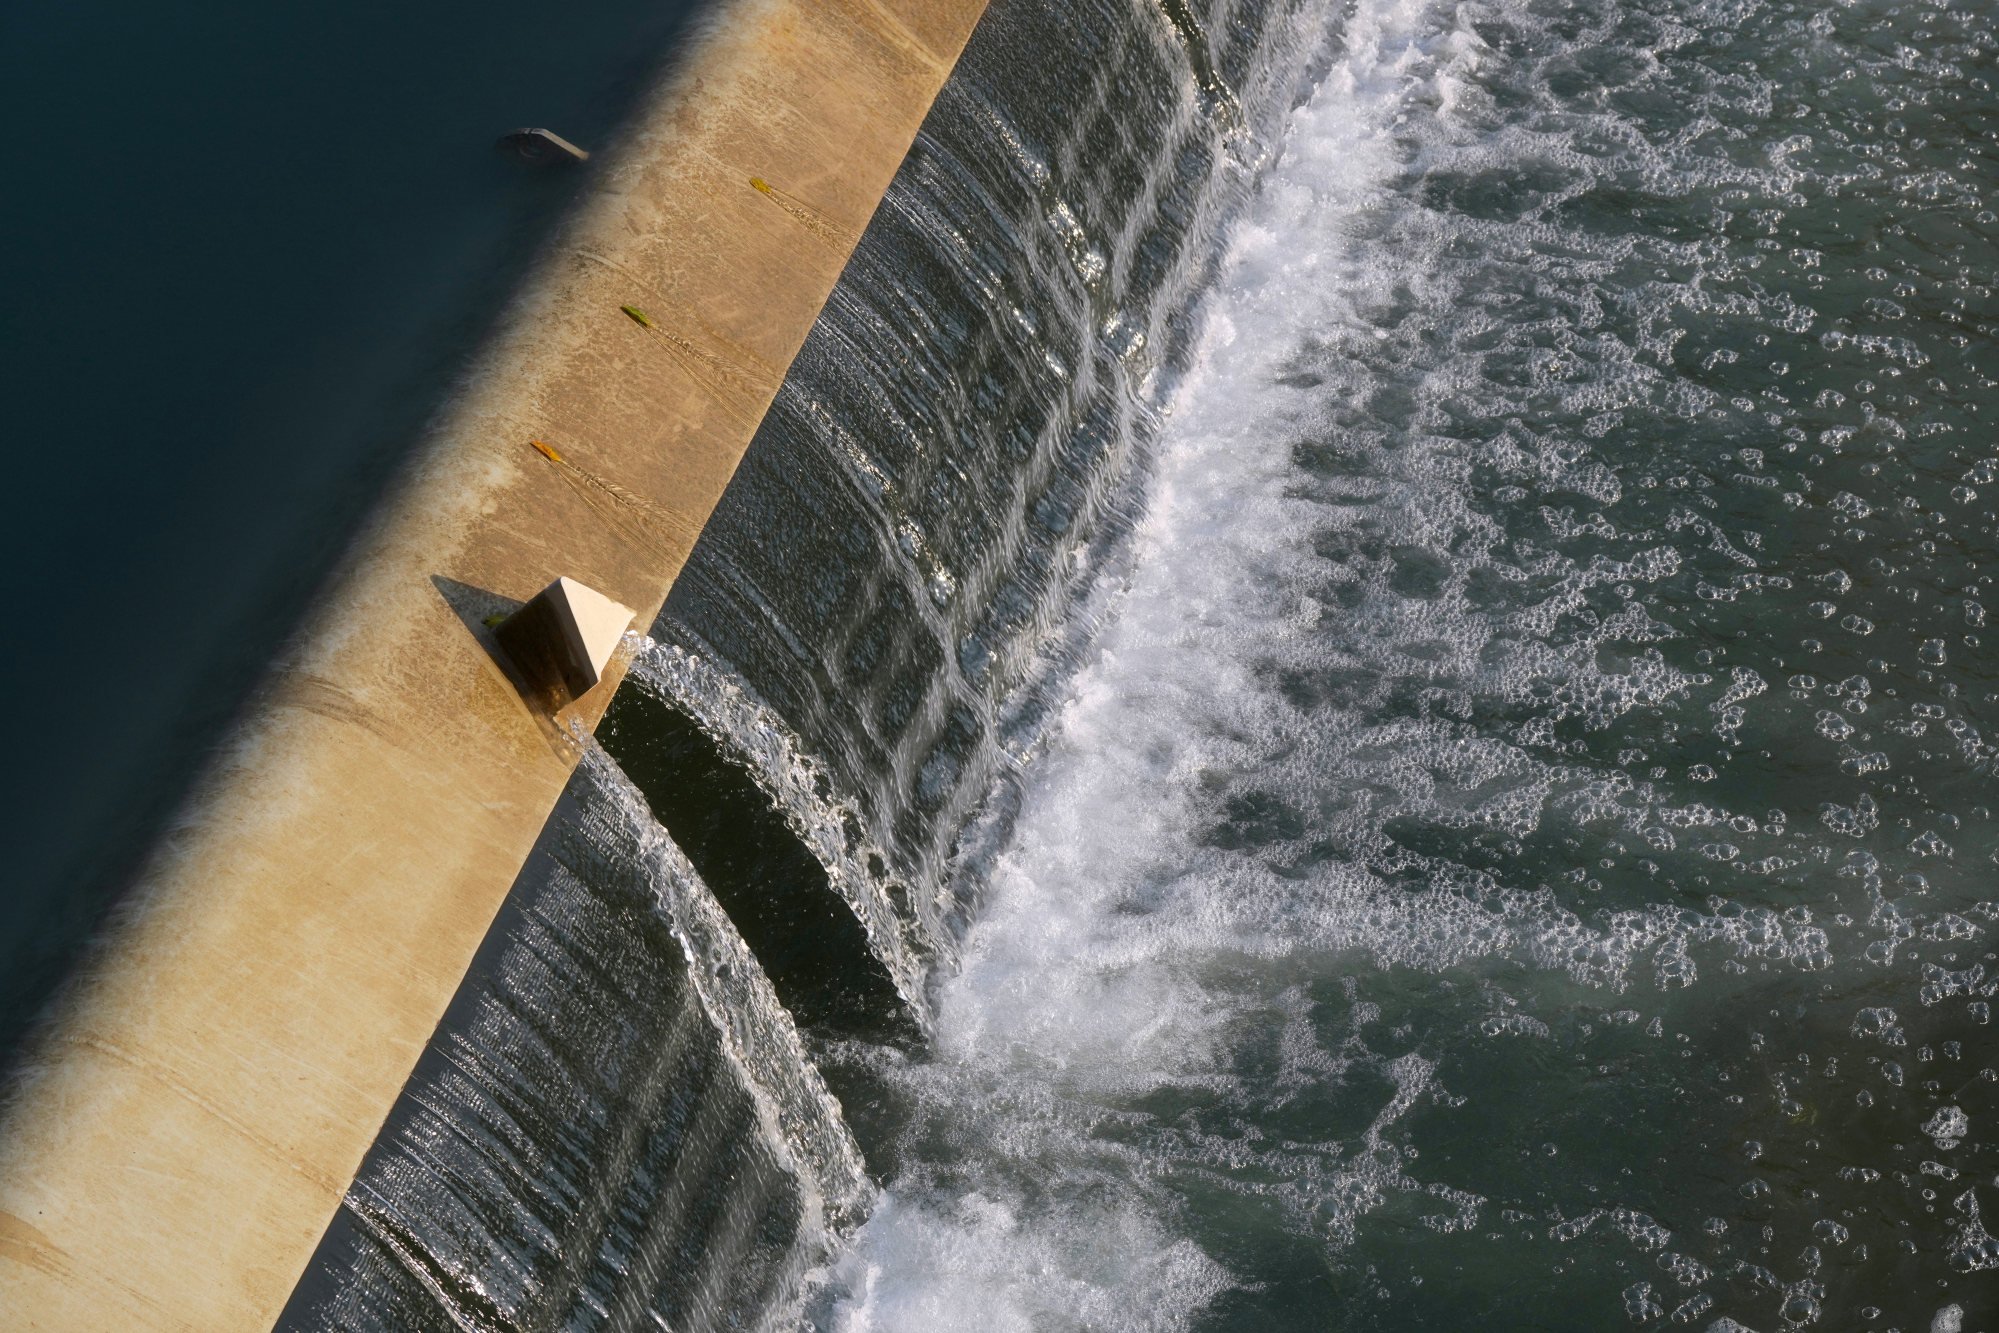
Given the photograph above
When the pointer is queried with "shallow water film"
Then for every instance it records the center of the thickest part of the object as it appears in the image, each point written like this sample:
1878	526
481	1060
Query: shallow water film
1519	852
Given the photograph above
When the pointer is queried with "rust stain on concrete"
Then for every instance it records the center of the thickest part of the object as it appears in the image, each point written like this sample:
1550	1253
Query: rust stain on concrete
208	1088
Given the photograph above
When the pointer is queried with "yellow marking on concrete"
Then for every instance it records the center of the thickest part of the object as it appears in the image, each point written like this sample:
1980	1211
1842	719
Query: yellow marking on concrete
808	217
730	387
638	504
739	360
206	1089
639	518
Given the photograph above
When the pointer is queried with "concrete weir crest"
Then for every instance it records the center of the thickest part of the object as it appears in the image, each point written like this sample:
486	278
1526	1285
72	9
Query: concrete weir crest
206	1091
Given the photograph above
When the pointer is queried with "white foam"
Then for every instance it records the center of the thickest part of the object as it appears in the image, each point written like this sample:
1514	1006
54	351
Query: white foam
981	1264
1205	851
1082	984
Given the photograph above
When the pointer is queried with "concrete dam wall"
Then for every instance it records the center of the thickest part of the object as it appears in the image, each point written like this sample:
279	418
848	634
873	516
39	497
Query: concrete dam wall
205	1092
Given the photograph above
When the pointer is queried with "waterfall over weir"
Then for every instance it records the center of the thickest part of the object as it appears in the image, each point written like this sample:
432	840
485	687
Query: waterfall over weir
1509	838
618	1123
801	794
897	566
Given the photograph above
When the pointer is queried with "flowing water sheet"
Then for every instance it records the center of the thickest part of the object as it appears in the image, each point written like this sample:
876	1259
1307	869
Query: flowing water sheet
616	1126
958	449
804	795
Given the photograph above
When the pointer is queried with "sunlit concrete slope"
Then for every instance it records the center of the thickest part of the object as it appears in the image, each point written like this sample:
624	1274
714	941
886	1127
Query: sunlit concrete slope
205	1093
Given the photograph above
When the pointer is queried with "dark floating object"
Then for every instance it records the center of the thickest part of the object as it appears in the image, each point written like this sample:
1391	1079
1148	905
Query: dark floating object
541	147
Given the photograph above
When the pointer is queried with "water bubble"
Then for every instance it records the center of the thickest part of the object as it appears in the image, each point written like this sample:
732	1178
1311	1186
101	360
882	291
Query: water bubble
1803	1303
1948	1126
1972	1248
1692	1308
1640	1304
1929	844
1878	1023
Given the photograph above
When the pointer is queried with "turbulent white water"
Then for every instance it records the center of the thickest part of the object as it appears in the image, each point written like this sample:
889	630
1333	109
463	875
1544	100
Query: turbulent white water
1086	982
1318	850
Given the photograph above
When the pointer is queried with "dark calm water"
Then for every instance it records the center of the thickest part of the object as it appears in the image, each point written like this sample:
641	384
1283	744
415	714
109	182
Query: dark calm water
242	247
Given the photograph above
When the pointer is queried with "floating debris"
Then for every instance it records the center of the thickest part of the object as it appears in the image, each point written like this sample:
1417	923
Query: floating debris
541	148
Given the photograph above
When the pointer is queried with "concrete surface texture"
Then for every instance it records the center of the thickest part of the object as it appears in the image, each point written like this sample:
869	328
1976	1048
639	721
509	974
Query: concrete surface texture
207	1088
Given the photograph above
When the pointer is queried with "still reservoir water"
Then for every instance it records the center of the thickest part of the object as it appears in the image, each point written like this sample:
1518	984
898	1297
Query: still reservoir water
242	249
